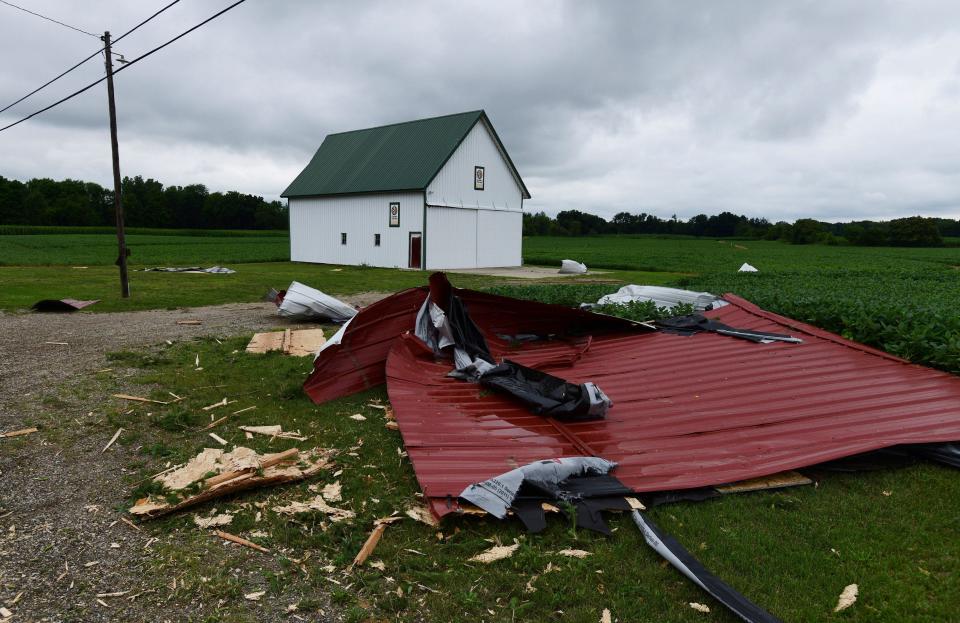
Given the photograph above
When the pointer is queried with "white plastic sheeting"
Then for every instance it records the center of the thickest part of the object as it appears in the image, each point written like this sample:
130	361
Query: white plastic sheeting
305	303
747	268
571	267
663	297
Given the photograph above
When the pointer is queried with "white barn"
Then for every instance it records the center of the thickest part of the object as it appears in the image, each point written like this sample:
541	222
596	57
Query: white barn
428	194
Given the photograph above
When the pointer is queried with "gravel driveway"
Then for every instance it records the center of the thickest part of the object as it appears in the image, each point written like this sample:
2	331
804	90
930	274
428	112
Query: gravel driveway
61	541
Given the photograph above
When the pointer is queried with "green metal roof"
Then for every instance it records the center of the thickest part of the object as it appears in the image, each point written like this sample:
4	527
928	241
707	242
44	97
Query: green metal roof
401	156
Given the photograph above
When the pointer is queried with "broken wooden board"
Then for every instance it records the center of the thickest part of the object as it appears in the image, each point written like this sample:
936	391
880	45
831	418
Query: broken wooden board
215	473
299	343
18	433
774	481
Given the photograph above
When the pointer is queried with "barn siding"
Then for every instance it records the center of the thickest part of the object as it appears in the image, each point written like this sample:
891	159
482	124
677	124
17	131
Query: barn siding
499	238
451	238
317	222
453	185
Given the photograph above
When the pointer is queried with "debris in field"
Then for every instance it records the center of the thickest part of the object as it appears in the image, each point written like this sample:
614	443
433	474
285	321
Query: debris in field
775	481
747	268
663	297
131	524
391	425
189	322
886	494
298	343
213	270
423	515
232	471
691	324
332	492
58	343
572	267
254	596
61	305
215	423
112	439
635	504
220	403
220	440
6	614
240	541
244	410
378	564
495	553
358	417
700	607
847	598
301	302
605	616
678	556
371	543
273	430
575	553
216	520
316	504
139	399
20	432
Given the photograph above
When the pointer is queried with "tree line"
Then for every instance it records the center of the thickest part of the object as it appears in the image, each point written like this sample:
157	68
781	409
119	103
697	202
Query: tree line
910	231
146	203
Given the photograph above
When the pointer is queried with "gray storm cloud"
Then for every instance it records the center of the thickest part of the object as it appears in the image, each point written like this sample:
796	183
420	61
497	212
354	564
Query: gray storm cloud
835	110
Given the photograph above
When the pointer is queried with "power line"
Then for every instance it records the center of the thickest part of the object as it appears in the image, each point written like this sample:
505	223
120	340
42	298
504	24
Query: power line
49	82
129	64
49	19
144	21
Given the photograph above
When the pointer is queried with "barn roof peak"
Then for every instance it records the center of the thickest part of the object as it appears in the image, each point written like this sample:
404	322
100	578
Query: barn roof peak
403	156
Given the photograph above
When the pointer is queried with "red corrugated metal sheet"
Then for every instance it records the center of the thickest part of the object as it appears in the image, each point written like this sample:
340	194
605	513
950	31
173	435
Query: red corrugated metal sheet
688	411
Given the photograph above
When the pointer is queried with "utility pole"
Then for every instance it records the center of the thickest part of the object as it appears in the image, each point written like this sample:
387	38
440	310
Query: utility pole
117	205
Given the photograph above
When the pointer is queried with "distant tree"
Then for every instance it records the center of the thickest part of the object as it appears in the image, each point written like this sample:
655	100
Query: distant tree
806	231
914	231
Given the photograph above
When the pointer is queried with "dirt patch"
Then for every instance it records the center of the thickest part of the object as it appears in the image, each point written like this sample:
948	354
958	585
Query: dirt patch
523	272
62	544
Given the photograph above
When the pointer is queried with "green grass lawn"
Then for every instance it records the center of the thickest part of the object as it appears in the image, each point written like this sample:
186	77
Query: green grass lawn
893	532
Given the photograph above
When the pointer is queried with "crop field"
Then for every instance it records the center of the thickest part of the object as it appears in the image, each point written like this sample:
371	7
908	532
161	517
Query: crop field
902	300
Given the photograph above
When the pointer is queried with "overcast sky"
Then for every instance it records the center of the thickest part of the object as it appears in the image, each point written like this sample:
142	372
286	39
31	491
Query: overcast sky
830	110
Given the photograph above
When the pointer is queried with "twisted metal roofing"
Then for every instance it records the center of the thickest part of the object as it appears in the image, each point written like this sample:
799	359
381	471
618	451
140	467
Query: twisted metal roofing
688	411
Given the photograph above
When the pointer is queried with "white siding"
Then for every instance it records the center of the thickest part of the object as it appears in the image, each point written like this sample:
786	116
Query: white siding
451	238
499	238
470	238
316	225
453	185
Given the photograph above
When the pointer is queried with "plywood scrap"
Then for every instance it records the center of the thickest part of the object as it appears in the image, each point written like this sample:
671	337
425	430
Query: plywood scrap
214	423
220	440
605	616
495	553
6	614
774	481
273	430
254	596
317	504
240	541
214	520
423	515
18	433
574	553
332	492
214	473
700	607
847	598
299	343
189	322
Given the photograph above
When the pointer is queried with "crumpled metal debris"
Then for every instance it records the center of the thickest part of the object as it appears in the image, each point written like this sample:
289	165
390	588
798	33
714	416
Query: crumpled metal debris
301	302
